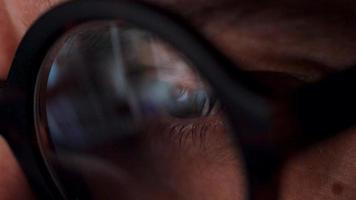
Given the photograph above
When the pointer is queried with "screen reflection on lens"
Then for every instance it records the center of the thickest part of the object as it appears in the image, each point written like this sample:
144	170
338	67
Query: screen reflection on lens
127	117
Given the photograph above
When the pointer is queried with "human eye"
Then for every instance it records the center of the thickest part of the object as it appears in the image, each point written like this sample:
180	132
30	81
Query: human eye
148	80
128	101
174	84
168	86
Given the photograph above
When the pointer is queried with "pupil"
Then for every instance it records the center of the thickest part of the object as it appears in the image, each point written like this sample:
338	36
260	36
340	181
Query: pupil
195	103
166	98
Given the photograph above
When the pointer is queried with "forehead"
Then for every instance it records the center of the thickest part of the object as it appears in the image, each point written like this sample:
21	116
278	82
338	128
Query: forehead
302	37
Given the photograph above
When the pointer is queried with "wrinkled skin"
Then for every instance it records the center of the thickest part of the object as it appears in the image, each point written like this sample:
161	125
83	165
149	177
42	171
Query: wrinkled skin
304	39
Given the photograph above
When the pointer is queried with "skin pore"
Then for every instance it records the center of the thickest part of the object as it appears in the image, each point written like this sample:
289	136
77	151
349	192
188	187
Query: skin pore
303	39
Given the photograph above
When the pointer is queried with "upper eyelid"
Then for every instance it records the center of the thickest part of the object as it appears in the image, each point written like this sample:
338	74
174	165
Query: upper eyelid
187	79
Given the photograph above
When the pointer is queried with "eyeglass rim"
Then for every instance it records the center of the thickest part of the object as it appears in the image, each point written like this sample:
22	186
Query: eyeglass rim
232	84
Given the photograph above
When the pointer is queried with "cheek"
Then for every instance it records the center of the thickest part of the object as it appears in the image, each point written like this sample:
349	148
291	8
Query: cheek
210	172
325	171
162	167
192	166
13	185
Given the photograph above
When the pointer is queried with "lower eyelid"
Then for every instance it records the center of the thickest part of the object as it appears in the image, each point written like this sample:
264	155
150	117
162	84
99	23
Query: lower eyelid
197	133
185	133
204	137
207	138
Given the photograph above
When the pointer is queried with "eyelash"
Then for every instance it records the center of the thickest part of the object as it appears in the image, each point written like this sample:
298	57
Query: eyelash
197	130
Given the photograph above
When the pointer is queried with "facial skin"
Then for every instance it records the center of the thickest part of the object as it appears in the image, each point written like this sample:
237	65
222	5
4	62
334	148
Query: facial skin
304	39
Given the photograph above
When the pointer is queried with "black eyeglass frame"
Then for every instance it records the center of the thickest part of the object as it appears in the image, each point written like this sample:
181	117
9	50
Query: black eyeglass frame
237	89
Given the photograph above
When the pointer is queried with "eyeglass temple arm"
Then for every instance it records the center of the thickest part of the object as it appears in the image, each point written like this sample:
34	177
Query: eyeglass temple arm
325	108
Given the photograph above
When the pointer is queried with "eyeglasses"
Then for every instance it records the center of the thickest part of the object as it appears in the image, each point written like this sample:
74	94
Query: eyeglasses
97	87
